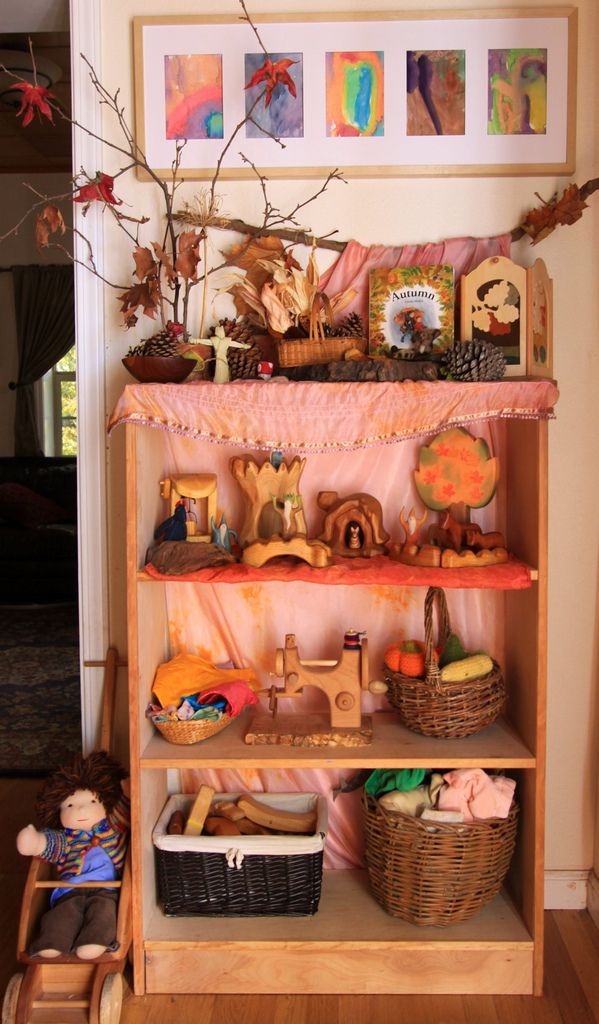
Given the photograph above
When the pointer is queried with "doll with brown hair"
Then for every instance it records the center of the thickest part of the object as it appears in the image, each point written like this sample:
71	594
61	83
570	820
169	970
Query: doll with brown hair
85	817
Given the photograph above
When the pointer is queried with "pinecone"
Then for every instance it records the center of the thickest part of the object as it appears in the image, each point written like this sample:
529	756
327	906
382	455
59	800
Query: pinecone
473	361
352	326
243	362
161	344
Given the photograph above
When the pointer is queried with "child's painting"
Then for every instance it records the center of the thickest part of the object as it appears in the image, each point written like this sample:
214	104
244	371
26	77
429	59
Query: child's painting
354	94
193	88
517	96
282	114
436	87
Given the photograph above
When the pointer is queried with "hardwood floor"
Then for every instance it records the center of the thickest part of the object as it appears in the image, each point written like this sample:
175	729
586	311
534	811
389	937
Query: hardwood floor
571	970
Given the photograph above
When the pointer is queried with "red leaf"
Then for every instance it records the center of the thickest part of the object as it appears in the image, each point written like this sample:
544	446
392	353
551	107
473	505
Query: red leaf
34	101
99	188
274	73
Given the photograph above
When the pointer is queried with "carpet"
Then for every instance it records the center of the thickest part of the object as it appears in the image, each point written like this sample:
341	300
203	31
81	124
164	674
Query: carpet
40	704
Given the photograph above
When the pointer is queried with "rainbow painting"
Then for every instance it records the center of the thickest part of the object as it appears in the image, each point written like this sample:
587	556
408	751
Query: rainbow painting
517	96
193	91
355	93
284	115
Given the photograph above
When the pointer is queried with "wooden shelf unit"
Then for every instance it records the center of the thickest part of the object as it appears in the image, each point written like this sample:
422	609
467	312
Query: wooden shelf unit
351	945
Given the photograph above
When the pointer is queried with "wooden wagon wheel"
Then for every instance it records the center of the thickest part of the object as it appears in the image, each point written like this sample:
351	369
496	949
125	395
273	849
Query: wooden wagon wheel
11	998
111	999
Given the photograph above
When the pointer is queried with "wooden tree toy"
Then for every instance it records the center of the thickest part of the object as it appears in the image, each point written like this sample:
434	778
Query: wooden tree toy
192	489
456	472
274	522
411	552
352	526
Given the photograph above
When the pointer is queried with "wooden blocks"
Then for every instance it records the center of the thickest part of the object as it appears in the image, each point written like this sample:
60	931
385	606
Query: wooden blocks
199	811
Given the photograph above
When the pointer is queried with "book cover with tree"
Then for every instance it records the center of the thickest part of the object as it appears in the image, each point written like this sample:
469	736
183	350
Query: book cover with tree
411	313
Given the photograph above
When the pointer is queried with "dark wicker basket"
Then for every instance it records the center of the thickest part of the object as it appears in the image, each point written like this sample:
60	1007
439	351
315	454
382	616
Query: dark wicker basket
435	873
433	707
192	884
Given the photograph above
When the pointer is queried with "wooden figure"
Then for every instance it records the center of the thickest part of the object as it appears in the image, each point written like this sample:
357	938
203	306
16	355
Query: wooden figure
493	307
274	522
539	340
412	552
342	681
456	472
352	526
192	488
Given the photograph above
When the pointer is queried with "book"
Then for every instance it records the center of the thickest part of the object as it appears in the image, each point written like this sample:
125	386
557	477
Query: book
411	311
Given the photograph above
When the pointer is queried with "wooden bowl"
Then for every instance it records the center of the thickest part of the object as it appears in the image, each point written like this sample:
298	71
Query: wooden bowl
158	369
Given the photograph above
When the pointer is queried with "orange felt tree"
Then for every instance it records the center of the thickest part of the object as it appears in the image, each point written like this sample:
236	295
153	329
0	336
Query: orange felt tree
456	472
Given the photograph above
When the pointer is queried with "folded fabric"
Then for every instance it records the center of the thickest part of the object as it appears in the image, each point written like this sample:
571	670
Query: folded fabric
187	674
236	694
413	801
476	794
383	780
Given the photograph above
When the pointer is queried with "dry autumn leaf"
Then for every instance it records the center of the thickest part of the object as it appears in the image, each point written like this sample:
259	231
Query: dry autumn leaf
165	262
187	261
146	295
540	222
48	222
245	254
144	262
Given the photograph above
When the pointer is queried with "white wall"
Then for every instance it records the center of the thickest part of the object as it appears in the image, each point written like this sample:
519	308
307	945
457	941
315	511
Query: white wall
15	200
418	210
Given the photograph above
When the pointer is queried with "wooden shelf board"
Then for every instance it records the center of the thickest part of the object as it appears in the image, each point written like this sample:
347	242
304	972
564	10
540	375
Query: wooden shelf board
393	746
347	914
381	571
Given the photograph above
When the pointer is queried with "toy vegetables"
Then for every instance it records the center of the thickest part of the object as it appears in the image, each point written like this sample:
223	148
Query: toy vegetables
85	815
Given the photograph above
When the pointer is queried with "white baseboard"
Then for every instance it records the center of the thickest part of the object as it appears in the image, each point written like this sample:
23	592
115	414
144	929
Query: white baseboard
593	897
568	890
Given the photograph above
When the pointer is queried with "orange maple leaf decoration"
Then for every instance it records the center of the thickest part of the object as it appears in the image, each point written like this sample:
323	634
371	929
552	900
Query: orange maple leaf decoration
274	73
541	221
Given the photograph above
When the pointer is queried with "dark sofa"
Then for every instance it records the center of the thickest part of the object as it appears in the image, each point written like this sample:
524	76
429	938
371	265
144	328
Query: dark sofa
38	529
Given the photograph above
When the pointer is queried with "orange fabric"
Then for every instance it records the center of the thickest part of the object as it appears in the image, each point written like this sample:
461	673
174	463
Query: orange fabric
187	673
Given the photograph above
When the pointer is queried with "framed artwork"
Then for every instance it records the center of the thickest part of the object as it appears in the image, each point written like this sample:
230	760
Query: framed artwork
494	307
411	311
539	340
393	93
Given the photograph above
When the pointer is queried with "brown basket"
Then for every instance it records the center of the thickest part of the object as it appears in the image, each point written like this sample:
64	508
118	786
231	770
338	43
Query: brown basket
433	707
435	873
307	351
191	732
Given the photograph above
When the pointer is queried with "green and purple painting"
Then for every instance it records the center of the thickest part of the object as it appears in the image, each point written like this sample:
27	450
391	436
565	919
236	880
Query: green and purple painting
193	90
283	114
355	93
436	88
517	97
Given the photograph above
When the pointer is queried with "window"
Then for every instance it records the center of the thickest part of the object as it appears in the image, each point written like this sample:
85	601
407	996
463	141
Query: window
60	407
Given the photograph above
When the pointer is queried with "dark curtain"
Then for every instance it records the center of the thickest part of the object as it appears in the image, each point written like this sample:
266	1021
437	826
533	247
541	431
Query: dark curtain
45	314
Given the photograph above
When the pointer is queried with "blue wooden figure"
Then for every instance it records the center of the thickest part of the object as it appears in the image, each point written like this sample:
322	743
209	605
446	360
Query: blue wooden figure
221	534
173	528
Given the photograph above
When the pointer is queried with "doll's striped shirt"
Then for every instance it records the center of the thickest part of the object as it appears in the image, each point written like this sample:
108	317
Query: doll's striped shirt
68	848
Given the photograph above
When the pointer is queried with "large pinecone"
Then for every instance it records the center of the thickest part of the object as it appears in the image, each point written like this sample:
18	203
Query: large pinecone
473	361
352	326
163	343
243	362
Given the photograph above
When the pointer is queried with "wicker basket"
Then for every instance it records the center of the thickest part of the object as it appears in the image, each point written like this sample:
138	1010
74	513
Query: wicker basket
433	707
435	873
192	732
279	875
307	351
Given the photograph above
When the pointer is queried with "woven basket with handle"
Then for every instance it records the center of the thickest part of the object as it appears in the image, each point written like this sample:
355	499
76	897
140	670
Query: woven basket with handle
190	731
433	707
317	347
435	873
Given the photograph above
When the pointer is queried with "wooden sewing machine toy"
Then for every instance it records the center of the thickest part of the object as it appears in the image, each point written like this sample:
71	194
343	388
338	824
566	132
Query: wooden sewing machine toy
342	682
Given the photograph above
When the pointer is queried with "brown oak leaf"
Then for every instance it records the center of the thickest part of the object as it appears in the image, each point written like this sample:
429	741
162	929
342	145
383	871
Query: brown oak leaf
542	220
48	222
245	254
144	262
165	262
188	258
145	295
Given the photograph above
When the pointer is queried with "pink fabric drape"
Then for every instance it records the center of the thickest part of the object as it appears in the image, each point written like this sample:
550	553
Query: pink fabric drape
352	268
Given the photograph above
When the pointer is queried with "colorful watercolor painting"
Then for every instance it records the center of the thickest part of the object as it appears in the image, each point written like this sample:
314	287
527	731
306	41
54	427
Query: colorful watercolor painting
517	97
355	93
193	89
284	115
436	87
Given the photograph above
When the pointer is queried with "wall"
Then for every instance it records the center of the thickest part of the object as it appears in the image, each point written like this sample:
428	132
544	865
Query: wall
418	210
15	201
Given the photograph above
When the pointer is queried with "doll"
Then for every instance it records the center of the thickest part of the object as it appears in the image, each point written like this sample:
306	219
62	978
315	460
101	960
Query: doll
85	814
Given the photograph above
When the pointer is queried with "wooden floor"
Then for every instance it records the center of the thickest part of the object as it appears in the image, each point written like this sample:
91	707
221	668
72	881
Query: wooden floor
571	970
